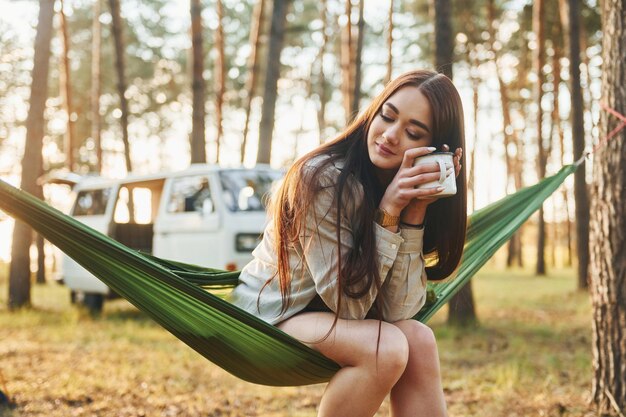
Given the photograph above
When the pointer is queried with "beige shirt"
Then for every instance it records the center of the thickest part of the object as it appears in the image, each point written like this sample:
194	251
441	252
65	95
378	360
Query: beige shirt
313	263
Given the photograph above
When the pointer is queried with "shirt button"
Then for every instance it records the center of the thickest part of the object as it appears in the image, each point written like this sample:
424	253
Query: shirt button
393	246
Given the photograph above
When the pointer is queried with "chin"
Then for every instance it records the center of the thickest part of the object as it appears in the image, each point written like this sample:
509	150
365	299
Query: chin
384	163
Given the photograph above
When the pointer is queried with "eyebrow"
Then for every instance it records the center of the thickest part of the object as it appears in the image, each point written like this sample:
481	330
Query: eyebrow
412	121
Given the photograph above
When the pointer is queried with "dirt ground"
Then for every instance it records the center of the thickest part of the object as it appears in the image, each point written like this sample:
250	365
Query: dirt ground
529	358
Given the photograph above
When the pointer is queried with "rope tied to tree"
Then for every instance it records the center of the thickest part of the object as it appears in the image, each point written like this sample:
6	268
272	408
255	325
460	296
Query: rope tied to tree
605	140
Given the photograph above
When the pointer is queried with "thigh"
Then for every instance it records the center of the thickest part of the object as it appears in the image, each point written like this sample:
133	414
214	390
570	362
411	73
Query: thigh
349	342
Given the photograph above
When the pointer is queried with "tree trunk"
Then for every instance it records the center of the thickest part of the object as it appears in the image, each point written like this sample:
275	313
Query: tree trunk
347	79
389	43
40	275
578	137
444	38
118	38
277	35
565	25
356	95
510	136
19	271
555	129
461	308
220	69
253	68
66	91
198	143
321	82
96	81
608	224
538	63
472	177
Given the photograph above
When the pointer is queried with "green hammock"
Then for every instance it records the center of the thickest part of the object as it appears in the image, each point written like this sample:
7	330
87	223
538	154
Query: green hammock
175	295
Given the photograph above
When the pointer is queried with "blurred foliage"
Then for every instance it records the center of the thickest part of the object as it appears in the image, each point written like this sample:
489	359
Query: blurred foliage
158	73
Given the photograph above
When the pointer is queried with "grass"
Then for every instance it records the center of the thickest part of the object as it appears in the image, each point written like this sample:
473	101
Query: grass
530	356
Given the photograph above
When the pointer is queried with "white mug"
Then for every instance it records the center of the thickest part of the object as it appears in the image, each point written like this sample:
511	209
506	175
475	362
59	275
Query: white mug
447	182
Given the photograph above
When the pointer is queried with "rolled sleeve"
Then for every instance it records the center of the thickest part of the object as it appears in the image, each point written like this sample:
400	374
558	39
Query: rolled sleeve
404	291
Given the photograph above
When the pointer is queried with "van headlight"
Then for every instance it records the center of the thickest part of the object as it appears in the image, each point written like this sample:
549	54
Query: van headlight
246	242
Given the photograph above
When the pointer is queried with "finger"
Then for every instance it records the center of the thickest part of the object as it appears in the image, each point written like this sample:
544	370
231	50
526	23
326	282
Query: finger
420	179
421	168
411	154
425	192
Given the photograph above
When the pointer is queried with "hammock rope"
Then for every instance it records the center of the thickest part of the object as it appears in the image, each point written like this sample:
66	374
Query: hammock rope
175	294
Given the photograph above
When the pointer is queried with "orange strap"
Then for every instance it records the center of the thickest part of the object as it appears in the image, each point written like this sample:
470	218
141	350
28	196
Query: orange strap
611	134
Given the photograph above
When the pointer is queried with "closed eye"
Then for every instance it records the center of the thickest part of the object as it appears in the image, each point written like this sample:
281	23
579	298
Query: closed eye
386	118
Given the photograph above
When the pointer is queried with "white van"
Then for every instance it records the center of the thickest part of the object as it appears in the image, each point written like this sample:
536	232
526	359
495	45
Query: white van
204	215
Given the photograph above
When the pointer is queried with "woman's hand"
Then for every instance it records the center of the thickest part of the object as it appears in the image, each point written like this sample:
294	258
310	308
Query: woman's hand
415	210
401	191
458	154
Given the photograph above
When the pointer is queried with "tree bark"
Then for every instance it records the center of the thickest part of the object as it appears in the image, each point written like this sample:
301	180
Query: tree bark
538	63
347	52
321	82
555	129
444	38
608	224
19	271
198	143
40	274
66	91
356	95
253	68
389	43
509	134
120	68
96	31
461	310
220	69
277	35
581	196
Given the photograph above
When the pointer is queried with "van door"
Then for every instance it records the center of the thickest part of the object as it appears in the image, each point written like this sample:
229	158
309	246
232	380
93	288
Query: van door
93	206
135	213
188	229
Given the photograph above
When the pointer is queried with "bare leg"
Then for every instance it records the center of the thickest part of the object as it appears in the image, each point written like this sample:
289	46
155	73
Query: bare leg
418	392
366	377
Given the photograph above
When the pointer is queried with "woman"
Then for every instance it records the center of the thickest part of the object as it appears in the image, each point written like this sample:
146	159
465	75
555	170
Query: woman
341	265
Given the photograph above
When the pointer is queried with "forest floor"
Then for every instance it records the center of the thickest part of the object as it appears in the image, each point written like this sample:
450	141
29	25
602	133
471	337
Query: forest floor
529	356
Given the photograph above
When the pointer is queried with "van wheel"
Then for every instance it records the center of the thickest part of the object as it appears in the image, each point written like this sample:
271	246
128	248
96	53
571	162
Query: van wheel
94	302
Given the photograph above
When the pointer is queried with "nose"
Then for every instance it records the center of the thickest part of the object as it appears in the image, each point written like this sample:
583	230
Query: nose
391	134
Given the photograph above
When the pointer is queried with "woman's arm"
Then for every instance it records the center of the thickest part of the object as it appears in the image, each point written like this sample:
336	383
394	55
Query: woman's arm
404	291
319	247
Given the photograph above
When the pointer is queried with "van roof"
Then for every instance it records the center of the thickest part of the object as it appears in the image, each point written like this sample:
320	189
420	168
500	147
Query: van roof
193	169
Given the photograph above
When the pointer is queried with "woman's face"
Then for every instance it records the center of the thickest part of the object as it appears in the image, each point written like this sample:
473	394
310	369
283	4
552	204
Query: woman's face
403	122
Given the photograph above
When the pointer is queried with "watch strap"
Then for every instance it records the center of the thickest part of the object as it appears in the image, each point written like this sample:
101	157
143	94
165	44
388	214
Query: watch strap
385	219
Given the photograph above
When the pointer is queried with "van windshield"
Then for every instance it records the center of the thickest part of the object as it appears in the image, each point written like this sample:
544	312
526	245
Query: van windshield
91	202
248	190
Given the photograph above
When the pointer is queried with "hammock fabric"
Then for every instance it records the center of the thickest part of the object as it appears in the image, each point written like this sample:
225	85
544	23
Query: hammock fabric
175	294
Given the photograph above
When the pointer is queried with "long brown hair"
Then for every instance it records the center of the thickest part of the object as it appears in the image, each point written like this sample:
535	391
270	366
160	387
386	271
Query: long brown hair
444	234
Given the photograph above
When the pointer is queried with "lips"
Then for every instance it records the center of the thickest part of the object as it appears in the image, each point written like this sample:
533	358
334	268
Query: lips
383	150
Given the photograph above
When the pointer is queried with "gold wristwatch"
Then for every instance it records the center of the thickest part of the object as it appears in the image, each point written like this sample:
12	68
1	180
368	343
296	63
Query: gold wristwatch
385	219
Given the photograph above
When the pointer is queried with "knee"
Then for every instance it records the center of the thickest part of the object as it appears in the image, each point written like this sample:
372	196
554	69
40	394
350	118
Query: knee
419	336
392	354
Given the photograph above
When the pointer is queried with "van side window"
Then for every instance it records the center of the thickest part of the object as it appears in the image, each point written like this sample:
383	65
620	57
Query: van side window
190	194
91	202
